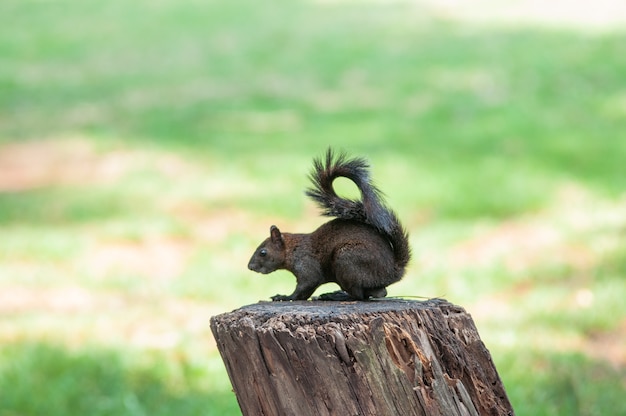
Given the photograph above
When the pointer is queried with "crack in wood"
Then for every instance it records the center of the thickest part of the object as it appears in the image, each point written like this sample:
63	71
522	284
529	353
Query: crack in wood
361	358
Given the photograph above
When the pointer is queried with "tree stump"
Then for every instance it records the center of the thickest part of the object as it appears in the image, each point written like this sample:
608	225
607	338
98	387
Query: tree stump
389	357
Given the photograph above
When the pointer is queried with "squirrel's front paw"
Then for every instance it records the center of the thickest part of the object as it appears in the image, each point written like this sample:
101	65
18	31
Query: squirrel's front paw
280	298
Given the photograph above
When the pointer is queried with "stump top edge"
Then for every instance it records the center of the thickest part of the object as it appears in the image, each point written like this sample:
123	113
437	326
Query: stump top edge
329	310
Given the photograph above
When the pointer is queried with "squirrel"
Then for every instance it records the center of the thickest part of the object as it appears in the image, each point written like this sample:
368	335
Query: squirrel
364	249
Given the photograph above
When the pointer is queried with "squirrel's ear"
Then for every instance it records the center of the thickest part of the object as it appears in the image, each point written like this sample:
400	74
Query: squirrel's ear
275	234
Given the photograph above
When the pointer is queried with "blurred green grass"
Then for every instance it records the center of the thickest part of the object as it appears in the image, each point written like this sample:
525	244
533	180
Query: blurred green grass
146	148
102	382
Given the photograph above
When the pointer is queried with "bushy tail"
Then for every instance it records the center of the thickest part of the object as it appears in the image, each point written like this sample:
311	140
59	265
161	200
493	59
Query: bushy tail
370	210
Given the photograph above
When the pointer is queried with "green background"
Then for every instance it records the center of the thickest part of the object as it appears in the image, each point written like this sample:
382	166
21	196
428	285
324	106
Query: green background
146	147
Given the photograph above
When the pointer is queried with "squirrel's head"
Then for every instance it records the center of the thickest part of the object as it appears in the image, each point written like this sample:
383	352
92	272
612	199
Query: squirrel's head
270	255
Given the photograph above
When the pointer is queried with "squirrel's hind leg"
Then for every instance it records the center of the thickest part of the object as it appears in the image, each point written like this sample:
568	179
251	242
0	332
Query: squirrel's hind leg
342	295
337	296
379	292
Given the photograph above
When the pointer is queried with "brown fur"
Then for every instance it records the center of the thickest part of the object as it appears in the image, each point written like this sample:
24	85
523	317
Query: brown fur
363	251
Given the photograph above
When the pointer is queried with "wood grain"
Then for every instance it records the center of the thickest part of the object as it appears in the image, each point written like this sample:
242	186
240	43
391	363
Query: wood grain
389	357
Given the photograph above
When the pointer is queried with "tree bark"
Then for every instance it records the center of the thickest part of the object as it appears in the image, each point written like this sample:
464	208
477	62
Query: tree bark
390	357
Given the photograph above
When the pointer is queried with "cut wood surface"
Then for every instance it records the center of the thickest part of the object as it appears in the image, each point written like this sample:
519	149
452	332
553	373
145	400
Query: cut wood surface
388	357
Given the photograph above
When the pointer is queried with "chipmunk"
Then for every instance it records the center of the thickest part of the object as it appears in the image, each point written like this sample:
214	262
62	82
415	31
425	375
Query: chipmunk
364	249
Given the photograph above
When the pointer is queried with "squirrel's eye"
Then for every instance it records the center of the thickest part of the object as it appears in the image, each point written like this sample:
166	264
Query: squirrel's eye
263	252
